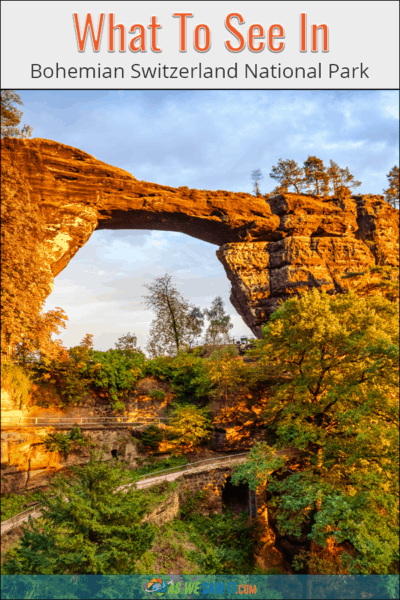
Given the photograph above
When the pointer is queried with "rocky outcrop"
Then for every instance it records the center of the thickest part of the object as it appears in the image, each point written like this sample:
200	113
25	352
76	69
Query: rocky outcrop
270	249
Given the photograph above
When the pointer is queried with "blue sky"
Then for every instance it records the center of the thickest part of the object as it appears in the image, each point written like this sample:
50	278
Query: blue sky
200	139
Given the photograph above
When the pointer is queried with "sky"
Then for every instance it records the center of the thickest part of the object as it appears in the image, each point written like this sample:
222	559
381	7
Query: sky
200	139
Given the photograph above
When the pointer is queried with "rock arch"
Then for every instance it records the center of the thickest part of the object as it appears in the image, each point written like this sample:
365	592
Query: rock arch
270	249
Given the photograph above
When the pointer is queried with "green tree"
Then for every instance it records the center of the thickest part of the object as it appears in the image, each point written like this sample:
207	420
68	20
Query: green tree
335	361
288	173
315	176
189	427
392	192
11	116
341	177
176	324
219	323
256	176
89	526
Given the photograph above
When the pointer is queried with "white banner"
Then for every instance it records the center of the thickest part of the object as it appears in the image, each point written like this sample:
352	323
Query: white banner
203	45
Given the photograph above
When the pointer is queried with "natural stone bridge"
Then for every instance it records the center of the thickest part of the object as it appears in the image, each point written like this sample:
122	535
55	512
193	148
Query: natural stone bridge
270	249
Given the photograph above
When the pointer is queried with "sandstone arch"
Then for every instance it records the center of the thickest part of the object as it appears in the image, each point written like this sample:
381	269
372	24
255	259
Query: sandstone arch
270	249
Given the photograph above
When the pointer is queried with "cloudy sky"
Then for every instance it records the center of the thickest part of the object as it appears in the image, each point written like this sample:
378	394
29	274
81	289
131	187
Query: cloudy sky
200	139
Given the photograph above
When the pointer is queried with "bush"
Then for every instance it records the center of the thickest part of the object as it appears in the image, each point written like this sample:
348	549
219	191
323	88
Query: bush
17	380
157	394
190	426
152	436
62	442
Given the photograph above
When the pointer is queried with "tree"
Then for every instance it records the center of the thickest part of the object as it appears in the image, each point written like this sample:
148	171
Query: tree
127	343
87	342
315	176
256	176
89	526
335	402
176	324
11	116
288	173
219	323
341	177
189	427
392	192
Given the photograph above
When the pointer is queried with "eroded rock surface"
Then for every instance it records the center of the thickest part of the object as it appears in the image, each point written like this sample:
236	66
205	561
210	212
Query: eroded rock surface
270	249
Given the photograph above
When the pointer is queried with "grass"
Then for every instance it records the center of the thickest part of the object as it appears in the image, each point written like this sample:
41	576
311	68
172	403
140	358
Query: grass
13	504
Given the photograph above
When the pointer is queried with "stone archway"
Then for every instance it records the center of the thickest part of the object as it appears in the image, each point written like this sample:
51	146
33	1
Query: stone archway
270	249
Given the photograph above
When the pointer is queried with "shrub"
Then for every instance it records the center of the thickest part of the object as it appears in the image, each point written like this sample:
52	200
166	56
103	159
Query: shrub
152	436
62	442
18	381
157	394
190	426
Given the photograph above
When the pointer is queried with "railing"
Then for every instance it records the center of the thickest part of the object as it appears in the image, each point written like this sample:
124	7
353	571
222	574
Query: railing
49	421
36	510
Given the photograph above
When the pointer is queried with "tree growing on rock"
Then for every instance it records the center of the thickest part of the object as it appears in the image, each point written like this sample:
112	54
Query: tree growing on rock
316	178
339	177
11	116
177	322
219	323
335	404
288	173
256	176
392	192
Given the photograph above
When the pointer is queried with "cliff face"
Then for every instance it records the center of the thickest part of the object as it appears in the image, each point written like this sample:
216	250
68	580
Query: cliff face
270	249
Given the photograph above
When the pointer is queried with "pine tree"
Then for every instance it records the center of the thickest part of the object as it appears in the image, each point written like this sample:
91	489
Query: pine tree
288	173
316	176
339	177
88	527
256	177
392	192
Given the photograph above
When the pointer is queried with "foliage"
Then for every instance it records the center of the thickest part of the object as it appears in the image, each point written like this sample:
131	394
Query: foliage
18	381
381	280
13	504
160	465
256	176
127	344
89	526
177	323
189	427
335	360
157	394
228	375
187	374
11	116
62	442
24	276
114	372
219	323
313	177
392	192
288	173
152	436
341	177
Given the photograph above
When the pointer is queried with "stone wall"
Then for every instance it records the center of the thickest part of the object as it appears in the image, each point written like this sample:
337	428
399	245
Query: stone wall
25	464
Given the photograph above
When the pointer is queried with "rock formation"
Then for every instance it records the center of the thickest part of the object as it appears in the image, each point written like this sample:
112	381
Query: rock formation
270	249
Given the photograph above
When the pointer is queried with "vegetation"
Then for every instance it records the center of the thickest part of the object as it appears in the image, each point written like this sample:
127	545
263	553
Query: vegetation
256	176
13	504
11	116
335	360
219	323
392	192
190	426
89	526
17	381
177	323
63	442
